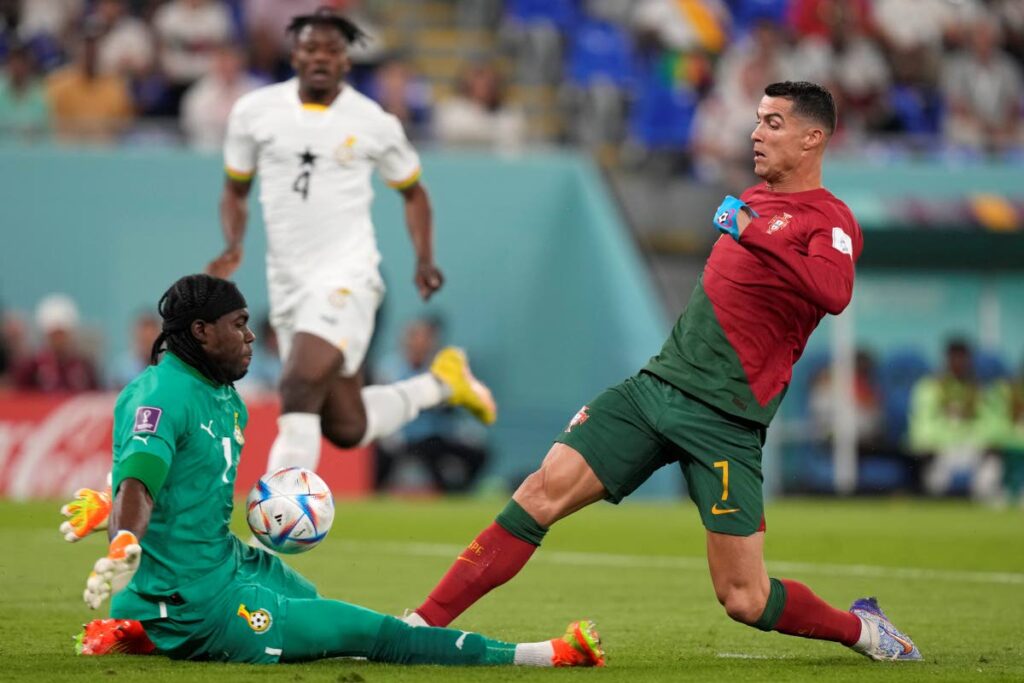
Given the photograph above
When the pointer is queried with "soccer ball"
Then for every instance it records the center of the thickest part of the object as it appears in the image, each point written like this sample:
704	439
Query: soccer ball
290	510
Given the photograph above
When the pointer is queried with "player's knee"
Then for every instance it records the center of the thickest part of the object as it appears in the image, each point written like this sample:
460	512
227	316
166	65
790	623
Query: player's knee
741	604
534	497
346	433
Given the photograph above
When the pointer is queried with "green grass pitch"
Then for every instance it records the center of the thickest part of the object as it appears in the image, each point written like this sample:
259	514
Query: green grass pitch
950	574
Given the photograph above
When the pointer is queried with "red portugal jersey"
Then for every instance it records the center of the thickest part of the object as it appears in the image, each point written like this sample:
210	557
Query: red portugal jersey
759	299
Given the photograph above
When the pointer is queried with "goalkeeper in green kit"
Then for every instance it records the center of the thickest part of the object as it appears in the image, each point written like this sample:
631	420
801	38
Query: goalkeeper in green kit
181	584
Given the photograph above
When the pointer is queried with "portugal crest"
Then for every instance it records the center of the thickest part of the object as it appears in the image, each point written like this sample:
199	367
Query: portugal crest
579	418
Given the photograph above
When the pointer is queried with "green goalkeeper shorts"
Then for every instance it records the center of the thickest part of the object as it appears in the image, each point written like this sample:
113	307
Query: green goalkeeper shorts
636	427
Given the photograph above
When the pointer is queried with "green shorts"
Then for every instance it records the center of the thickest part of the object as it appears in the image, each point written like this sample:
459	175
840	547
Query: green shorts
632	429
241	622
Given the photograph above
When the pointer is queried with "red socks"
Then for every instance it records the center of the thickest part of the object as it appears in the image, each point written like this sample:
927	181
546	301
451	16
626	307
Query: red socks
489	561
808	616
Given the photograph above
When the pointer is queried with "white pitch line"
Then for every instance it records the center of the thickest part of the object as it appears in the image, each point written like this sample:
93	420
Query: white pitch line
739	655
700	564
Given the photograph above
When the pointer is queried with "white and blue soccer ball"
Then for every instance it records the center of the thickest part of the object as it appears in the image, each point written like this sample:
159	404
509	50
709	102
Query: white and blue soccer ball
290	510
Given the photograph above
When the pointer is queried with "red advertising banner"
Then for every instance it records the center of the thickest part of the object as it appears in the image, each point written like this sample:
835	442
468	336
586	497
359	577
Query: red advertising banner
52	445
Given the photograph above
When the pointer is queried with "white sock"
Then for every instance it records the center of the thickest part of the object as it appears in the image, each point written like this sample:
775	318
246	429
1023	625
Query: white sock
297	443
390	406
864	643
534	654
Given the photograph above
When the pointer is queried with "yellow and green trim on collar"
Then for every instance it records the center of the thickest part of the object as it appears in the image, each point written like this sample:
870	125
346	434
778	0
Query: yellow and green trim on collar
407	182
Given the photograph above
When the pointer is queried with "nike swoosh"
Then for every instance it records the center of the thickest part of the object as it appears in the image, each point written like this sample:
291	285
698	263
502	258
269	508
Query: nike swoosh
460	557
907	647
461	640
715	510
143	439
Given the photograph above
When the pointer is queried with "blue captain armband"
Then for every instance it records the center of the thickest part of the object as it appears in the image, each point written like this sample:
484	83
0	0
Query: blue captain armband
727	213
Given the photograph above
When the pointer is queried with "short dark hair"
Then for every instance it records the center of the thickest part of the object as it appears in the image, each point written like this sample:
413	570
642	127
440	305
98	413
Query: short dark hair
958	345
810	100
325	16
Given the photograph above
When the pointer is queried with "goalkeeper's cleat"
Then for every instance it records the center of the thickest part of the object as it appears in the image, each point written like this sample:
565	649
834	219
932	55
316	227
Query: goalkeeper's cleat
87	513
113	636
451	367
580	646
884	641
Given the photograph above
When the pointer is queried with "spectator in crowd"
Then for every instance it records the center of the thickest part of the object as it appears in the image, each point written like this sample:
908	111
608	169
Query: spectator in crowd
128	366
451	448
1005	412
983	90
87	105
189	32
265	368
695	25
866	403
400	91
126	46
477	114
208	102
47	25
58	366
24	113
948	430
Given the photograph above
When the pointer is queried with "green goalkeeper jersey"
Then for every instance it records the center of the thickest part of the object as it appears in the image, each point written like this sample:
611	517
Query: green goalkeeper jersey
181	435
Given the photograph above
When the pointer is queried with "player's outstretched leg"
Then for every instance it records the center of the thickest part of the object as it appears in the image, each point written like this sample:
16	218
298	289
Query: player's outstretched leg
564	484
319	628
880	639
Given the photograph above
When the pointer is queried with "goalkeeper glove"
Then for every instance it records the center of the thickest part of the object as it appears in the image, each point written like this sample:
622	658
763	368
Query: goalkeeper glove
727	213
87	513
112	573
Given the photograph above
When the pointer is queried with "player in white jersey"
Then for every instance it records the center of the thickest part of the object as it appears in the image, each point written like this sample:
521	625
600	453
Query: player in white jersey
315	142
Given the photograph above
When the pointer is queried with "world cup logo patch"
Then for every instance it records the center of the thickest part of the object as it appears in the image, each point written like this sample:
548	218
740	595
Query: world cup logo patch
147	419
259	620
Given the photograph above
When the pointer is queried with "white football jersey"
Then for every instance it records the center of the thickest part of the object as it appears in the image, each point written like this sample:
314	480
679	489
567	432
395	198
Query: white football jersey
315	164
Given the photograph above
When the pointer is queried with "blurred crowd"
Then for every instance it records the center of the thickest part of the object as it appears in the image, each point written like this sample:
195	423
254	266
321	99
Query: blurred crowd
958	428
442	450
648	77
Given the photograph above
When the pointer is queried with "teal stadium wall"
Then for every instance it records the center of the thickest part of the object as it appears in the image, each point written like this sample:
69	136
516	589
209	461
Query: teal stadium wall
544	286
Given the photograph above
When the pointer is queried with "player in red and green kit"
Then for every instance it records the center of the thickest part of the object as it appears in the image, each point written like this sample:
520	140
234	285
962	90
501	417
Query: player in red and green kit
785	259
182	584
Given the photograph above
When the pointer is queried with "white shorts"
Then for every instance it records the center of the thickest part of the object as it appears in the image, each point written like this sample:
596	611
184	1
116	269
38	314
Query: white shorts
342	314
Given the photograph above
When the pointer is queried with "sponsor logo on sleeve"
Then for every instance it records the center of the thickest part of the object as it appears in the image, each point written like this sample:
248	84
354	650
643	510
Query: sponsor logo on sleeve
147	419
842	242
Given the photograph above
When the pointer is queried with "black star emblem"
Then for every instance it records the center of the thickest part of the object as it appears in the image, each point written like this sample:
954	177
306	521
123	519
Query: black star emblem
307	158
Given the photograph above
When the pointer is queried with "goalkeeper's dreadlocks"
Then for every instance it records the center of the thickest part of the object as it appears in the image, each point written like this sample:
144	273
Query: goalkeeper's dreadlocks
191	298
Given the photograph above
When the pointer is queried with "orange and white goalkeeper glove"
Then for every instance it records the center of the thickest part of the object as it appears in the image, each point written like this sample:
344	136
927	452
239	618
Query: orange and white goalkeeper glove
87	513
112	573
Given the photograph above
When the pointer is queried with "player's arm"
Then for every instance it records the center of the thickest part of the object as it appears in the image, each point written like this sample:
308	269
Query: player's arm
419	221
129	519
234	216
239	168
824	275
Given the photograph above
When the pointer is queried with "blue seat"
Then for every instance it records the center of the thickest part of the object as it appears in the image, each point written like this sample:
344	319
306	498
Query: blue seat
898	373
562	13
600	52
917	110
663	108
989	366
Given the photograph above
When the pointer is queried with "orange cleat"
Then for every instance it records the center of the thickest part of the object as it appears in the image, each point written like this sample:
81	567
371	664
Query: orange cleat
113	636
580	646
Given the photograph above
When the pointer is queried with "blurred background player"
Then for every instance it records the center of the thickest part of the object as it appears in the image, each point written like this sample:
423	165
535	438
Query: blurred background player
785	259
316	140
173	567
